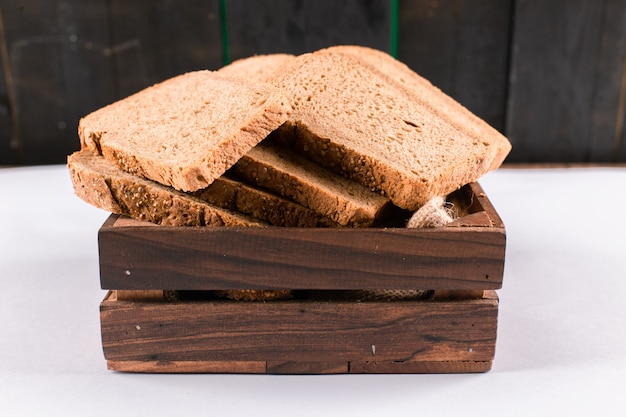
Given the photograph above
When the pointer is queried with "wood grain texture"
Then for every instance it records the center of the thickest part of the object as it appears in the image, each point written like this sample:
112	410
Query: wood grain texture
271	26
568	84
189	367
153	41
300	331
461	47
9	151
54	53
420	367
301	368
138	257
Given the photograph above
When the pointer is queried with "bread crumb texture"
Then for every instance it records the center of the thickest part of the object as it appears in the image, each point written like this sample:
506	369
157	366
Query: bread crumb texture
340	137
399	139
104	185
186	131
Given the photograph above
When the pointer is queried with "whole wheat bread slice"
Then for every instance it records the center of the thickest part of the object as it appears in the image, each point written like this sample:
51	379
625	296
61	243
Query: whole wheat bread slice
439	102
102	184
186	131
234	195
352	119
257	67
292	176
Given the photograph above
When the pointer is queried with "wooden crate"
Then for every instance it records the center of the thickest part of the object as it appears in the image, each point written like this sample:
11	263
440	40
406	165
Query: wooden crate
327	326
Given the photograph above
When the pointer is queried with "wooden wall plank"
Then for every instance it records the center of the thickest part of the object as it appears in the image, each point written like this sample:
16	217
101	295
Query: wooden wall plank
56	70
155	40
462	48
68	58
608	102
567	81
8	151
270	26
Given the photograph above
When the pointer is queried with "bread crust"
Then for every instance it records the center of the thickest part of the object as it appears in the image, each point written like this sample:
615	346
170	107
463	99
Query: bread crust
102	184
292	176
186	131
351	118
234	195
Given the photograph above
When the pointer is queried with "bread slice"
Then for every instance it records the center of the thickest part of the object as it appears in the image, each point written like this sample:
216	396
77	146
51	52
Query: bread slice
352	119
257	67
234	195
186	131
104	185
292	176
439	102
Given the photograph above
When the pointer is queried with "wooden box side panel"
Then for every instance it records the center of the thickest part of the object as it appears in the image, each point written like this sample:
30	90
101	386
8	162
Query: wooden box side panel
301	368
141	258
300	331
468	254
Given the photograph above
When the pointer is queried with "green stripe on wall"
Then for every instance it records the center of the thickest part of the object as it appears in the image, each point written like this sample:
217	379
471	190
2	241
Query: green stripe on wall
224	33
393	36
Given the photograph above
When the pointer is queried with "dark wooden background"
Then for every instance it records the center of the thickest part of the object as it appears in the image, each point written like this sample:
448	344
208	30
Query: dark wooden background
551	75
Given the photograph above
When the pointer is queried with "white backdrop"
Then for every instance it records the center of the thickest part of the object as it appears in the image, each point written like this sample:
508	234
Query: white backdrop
561	346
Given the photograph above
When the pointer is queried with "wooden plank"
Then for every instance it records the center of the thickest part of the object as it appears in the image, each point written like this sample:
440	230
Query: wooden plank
462	47
141	295
420	367
152	41
136	257
9	151
567	82
300	331
139	258
271	26
58	72
189	367
608	101
317	368
300	368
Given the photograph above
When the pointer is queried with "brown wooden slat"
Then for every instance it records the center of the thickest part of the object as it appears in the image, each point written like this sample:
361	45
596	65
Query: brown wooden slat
270	26
461	47
274	258
189	367
317	368
300	331
300	368
567	82
134	256
420	367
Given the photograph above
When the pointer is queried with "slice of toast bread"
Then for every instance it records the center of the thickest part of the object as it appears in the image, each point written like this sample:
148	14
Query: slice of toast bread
283	172
257	67
234	195
439	102
350	118
186	131
104	185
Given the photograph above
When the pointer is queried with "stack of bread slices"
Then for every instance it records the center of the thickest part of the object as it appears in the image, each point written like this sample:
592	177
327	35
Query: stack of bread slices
342	137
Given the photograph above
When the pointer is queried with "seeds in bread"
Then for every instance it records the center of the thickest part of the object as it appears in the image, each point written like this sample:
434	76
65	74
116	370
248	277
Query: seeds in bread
292	176
277	211
186	131
351	119
102	184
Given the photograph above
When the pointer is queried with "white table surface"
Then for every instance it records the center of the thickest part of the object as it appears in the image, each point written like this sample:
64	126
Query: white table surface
561	346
